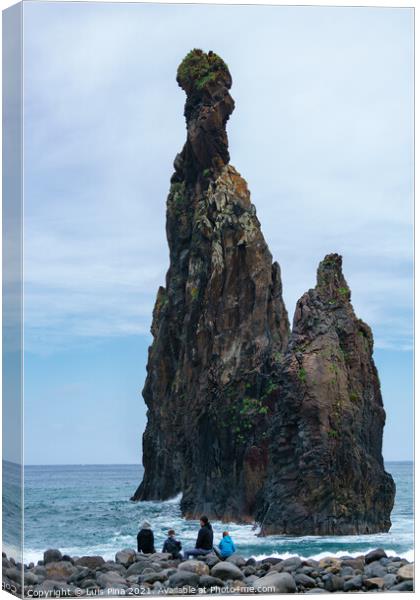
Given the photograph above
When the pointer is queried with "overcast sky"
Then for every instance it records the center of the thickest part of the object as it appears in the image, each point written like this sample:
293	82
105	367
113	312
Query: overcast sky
322	132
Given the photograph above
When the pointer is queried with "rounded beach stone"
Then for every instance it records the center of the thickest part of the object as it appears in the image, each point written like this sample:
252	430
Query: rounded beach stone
79	574
111	565
289	565
355	563
181	578
59	570
333	583
88	583
375	569
226	570
52	555
272	560
280	583
14	574
92	562
374	583
126	556
305	580
207	581
137	568
404	586
406	572
237	560
111	579
30	578
375	555
211	560
356	583
195	566
153	577
389	580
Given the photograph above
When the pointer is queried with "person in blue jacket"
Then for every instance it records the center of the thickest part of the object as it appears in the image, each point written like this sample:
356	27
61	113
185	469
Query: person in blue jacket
226	545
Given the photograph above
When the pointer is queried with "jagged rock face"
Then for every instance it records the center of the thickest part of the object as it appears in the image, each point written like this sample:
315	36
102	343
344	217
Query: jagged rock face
248	422
326	472
218	324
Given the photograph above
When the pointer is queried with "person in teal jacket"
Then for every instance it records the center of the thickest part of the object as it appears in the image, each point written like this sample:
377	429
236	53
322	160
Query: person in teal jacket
226	545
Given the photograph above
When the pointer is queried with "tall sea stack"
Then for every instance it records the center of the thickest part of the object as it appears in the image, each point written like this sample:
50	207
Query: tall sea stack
243	419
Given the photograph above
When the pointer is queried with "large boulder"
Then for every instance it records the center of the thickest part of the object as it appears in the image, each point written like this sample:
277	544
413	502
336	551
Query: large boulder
403	586
92	562
126	557
137	568
305	580
375	555
288	565
31	579
59	570
374	583
14	574
111	579
406	572
195	566
154	577
226	570
207	581
160	556
333	583
52	555
375	569
184	578
354	584
280	583
237	560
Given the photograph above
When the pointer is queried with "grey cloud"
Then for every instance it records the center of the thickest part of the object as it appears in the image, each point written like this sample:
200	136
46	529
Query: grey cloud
322	131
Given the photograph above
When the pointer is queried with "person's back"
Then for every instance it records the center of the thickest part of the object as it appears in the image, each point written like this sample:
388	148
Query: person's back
172	545
146	539
226	545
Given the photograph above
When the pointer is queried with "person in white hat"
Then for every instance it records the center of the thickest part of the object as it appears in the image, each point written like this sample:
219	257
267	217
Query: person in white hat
146	539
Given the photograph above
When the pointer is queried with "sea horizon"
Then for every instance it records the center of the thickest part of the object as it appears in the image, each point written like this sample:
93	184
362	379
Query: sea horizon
126	464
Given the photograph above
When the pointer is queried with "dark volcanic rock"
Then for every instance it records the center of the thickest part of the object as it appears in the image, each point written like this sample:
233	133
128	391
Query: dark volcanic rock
326	473
246	421
375	555
52	555
218	323
92	562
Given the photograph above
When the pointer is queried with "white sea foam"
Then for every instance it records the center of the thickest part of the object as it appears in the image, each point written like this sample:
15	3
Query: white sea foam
409	555
175	500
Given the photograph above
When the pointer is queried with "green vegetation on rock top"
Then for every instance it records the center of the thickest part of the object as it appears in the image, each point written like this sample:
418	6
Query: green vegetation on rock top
198	69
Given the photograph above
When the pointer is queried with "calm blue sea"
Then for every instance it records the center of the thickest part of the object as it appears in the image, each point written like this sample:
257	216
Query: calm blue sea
85	509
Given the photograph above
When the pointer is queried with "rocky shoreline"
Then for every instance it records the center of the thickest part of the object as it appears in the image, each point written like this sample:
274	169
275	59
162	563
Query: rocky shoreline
132	573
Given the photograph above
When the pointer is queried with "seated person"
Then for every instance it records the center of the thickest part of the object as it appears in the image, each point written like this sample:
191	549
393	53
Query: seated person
146	539
204	543
172	545
226	546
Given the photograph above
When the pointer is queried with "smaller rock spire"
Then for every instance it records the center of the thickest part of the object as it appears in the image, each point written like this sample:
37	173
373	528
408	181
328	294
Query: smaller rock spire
331	284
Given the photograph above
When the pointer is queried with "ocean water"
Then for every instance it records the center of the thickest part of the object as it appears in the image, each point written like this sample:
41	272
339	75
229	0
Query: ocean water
85	509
